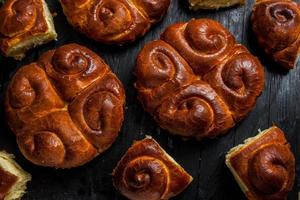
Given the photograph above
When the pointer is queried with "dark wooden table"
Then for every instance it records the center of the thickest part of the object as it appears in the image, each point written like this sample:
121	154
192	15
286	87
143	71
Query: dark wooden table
279	104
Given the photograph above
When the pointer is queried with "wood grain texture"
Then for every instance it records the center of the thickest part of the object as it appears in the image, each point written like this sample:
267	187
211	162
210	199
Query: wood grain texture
279	104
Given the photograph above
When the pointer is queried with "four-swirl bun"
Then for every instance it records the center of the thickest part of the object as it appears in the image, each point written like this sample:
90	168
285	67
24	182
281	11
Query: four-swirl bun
196	81
147	172
23	25
65	109
114	21
276	24
264	166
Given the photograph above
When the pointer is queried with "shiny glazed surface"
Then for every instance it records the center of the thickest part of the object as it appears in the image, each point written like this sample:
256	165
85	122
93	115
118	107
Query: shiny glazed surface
7	180
19	20
266	166
276	24
66	108
196	80
147	172
205	160
114	21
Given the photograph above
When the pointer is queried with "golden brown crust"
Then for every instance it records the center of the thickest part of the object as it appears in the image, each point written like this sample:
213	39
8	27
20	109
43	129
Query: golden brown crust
161	71
194	111
13	179
192	41
7	181
21	20
197	81
147	172
276	24
265	165
238	80
114	21
66	108
213	4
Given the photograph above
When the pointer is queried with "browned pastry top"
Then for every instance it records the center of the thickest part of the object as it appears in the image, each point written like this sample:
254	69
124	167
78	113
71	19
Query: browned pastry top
66	108
146	172
196	80
276	24
266	166
114	21
20	19
7	180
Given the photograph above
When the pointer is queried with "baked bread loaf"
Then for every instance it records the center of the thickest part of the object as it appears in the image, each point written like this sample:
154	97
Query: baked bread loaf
24	24
147	172
196	80
213	4
264	166
114	21
276	24
65	109
13	178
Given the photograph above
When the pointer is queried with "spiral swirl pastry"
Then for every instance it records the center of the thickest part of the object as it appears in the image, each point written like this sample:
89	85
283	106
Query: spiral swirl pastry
54	140
239	80
65	109
201	42
196	80
114	21
264	165
147	172
276	24
18	17
30	95
195	111
98	111
21	22
72	68
162	70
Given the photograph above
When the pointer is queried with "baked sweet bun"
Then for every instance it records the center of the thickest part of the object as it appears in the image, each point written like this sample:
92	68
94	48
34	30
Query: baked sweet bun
13	179
196	80
264	166
65	109
213	4
114	21
276	24
147	172
24	24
